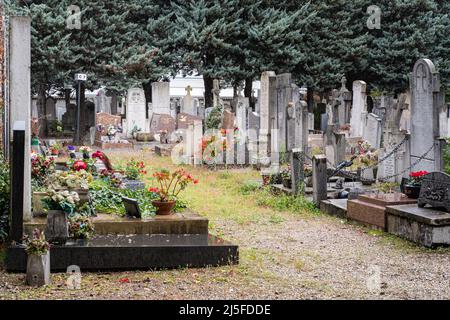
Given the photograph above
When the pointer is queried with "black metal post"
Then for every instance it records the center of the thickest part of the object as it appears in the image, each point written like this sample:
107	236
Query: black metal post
17	164
77	129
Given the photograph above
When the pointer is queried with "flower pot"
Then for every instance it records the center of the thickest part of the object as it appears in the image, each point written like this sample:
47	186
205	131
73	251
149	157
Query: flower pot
163	208
57	228
412	192
38	270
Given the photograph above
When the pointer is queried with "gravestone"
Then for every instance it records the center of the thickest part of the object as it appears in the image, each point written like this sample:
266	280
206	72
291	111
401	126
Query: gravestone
68	118
161	98
228	120
136	111
320	179
345	98
187	104
50	109
372	130
241	105
162	123
102	102
435	191
265	106
184	120
359	108
427	102
284	89
310	122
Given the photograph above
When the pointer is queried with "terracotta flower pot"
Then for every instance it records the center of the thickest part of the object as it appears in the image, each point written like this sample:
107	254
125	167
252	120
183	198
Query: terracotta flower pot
163	208
412	192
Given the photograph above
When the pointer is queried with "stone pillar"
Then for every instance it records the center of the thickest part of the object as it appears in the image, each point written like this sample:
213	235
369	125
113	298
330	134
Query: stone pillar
20	94
359	108
320	179
297	171
265	121
341	145
198	134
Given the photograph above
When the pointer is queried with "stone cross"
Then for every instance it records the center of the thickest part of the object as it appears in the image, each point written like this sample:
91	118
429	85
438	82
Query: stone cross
422	76
188	90
216	93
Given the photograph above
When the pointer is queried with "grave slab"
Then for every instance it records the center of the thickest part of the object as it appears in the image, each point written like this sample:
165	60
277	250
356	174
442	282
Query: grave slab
134	252
370	210
425	226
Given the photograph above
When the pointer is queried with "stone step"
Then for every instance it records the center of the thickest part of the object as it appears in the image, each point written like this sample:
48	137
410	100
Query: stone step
334	207
186	222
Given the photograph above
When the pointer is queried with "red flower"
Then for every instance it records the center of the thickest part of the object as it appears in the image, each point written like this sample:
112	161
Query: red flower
195	181
79	165
153	190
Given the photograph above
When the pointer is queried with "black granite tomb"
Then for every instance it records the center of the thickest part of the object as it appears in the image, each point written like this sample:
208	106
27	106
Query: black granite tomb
133	252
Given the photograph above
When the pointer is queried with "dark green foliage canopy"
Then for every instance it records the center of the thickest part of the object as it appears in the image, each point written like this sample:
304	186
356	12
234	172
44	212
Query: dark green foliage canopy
135	42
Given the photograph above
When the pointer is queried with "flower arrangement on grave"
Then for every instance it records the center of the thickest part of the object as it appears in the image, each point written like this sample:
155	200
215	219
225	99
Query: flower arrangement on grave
134	169
80	227
41	168
413	185
113	178
111	131
55	149
65	201
171	184
73	180
85	150
81	164
36	245
416	178
366	155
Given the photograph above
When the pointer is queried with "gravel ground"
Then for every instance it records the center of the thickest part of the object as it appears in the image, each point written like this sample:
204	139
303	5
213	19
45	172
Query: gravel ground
282	256
299	258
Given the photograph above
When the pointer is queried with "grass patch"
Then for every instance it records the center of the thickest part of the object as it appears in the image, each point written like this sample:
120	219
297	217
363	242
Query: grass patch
282	202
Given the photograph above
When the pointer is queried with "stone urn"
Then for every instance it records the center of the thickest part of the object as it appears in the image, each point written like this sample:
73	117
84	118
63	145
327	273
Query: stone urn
38	270
57	228
163	208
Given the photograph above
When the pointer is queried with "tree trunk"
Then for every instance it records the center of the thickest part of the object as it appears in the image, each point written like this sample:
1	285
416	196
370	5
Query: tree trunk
148	95
248	92
208	81
310	99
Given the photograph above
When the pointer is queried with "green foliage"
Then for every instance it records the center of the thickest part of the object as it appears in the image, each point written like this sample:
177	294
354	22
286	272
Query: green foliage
447	157
107	199
214	119
249	187
4	198
282	202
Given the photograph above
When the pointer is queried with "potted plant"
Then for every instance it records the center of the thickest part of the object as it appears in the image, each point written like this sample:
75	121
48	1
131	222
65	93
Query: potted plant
54	150
170	186
286	176
412	186
59	204
41	168
38	260
85	151
134	170
81	228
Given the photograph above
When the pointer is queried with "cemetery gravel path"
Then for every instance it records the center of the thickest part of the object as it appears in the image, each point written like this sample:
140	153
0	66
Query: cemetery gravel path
313	258
282	256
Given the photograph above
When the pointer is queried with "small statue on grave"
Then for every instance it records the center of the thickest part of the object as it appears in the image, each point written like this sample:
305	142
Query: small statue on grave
339	185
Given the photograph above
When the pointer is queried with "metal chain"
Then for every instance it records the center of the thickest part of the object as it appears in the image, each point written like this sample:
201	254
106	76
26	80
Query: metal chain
387	156
409	168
